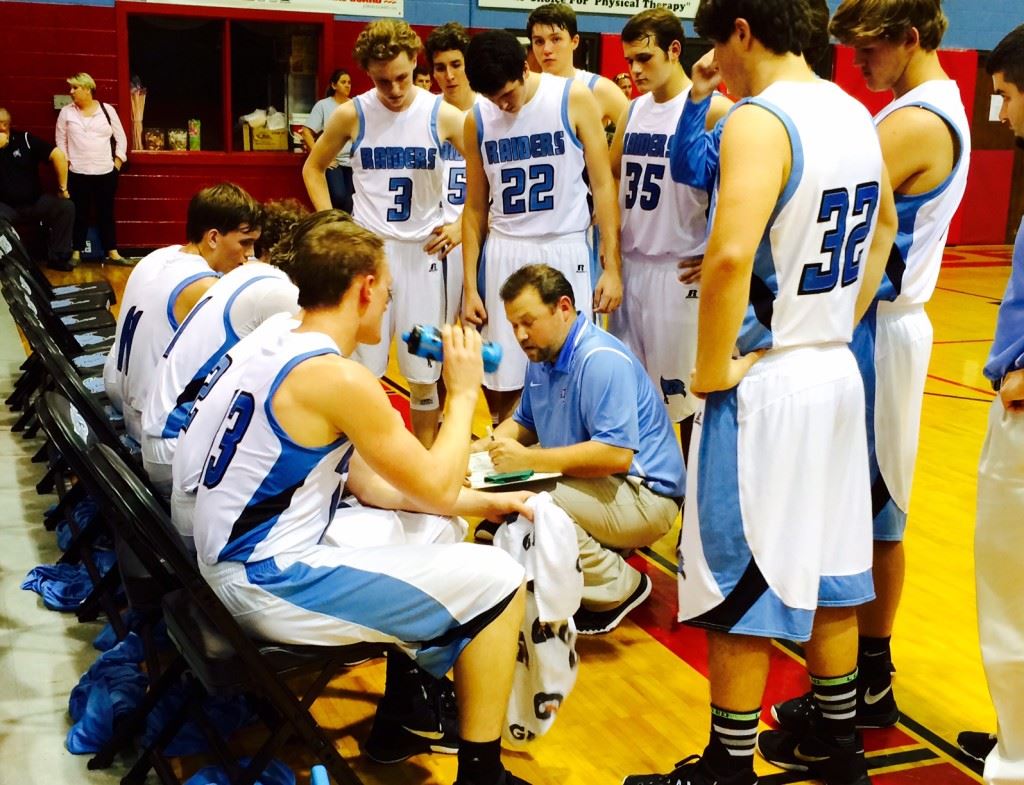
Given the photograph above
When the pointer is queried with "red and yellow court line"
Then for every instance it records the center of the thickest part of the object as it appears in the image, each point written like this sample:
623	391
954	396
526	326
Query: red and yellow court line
902	755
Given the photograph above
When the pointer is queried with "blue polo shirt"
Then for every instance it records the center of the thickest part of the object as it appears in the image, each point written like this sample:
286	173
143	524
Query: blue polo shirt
1008	348
597	390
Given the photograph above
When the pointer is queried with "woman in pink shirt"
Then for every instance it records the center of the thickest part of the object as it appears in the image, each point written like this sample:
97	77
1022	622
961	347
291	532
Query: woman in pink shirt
89	133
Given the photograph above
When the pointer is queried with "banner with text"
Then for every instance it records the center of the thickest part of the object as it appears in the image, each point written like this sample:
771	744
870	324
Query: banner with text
685	9
390	8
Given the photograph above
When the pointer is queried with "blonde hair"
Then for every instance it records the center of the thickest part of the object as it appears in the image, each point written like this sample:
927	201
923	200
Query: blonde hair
82	79
890	20
385	39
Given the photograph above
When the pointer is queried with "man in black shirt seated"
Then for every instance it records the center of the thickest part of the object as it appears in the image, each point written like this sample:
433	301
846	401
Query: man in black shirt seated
21	194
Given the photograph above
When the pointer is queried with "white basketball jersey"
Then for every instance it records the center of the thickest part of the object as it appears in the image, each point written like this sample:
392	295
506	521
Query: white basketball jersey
396	167
661	218
534	164
807	269
146	322
260	494
454	180
232	308
588	78
912	272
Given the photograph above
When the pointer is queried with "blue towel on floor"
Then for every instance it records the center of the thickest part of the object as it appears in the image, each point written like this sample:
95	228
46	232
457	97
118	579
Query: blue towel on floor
64	586
113	686
276	773
226	714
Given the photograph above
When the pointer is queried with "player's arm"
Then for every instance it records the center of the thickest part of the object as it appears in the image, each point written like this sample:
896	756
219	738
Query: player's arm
192	294
610	100
450	122
917	148
755	162
615	150
474	224
374	491
585	118
720	106
307	137
432	479
342	127
881	246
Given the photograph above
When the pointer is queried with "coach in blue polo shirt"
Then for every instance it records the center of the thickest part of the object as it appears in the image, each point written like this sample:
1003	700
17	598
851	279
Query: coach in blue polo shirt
590	405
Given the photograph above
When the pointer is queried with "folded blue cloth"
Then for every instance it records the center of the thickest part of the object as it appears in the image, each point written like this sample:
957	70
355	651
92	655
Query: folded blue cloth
226	714
276	773
64	586
113	686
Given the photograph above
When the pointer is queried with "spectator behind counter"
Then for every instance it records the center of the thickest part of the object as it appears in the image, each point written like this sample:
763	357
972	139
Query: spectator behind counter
22	199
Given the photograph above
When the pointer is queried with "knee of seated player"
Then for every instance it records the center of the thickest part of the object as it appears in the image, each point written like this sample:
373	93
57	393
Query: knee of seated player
423	397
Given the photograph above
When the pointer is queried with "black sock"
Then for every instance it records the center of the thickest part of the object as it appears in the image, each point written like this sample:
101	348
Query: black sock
405	684
836	697
874	659
479	762
733	737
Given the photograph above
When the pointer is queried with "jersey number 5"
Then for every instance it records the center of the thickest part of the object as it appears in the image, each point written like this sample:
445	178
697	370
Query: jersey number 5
845	246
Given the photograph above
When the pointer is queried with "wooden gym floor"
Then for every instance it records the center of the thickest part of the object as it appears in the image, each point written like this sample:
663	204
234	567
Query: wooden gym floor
640	703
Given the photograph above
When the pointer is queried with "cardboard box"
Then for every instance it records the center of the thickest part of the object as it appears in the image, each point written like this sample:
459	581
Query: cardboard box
263	139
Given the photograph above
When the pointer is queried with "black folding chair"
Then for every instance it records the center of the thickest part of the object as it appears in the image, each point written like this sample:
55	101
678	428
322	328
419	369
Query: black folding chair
221	657
12	251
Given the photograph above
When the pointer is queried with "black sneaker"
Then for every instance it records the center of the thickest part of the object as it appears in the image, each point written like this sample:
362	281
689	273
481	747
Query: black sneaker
975	744
429	723
815	756
876	708
692	771
599	622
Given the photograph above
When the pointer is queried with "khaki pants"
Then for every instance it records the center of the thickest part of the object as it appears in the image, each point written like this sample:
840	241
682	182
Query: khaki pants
999	563
611	514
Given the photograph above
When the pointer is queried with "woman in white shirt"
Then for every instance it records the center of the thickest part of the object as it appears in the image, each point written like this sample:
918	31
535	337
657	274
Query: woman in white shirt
90	134
339	175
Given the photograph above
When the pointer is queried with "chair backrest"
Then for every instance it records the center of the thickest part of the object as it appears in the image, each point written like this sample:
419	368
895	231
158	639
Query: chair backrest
12	252
64	375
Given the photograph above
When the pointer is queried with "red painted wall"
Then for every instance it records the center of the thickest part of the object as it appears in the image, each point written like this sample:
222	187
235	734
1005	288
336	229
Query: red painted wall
42	44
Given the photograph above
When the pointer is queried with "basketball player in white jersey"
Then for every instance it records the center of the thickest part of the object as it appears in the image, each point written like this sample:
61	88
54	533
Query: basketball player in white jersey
232	308
554	37
526	149
446	54
926	143
222	227
397	132
297	416
777	535
663	222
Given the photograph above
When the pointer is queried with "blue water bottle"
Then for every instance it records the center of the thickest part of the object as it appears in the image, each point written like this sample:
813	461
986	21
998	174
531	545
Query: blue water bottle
425	341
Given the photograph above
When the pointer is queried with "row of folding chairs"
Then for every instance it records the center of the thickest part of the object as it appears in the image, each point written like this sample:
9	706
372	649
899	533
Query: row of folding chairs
86	453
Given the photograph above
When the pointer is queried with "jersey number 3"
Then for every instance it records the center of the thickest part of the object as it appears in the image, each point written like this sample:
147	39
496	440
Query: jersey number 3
843	244
239	416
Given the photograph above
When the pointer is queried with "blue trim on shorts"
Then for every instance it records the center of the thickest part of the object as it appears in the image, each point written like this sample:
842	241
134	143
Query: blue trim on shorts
888	520
398	609
718	492
770	617
846	591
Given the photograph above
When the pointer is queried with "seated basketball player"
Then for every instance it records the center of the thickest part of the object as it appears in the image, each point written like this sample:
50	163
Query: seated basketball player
280	421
